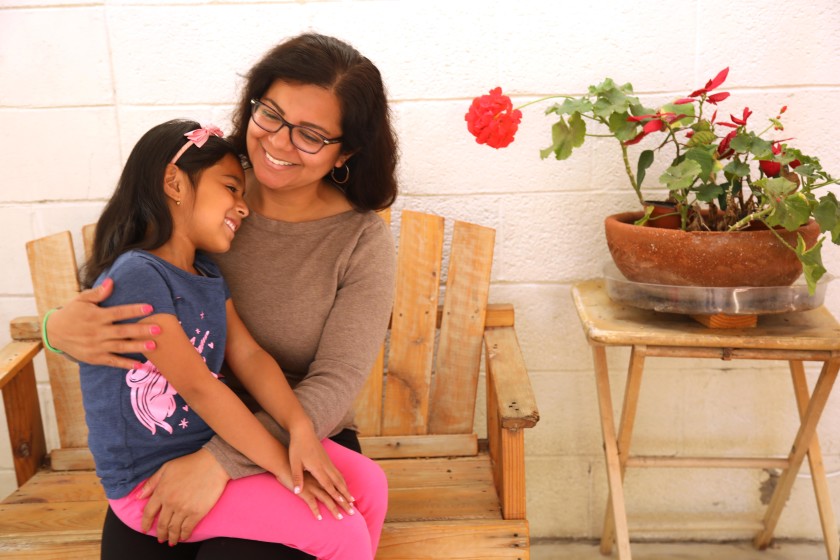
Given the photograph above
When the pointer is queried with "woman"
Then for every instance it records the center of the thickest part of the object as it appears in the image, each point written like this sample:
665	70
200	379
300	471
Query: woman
311	270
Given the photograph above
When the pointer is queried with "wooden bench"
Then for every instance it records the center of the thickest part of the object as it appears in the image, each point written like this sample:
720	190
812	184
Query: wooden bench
452	495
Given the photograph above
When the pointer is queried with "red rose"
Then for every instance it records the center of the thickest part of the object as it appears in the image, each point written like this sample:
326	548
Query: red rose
492	119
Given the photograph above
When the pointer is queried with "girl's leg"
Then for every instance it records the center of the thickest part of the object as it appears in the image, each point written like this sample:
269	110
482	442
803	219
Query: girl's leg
260	508
367	484
225	548
120	542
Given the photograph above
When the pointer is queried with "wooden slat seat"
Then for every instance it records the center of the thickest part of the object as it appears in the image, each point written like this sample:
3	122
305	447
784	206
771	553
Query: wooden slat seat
451	494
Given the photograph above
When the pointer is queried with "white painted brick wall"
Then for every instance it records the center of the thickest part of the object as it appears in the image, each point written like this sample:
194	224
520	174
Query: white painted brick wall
80	81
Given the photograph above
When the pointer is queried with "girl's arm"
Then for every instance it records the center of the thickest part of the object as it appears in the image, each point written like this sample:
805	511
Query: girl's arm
265	381
212	400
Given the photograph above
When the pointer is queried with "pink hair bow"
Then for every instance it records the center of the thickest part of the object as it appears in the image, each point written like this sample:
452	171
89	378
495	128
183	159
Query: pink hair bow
199	137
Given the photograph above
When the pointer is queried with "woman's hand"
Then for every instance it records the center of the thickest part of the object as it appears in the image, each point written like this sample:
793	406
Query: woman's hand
87	332
181	493
306	453
312	492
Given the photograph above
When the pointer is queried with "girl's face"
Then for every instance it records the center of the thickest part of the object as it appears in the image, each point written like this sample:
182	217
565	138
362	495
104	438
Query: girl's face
278	164
215	207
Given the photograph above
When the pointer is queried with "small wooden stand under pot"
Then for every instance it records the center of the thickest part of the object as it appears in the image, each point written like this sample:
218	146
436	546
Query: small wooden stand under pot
795	337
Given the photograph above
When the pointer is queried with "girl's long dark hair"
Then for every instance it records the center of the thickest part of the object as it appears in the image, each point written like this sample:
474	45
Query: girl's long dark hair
367	133
137	216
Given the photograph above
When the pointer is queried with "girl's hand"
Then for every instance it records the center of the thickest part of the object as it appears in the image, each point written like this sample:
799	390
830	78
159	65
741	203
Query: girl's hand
87	332
181	493
312	492
307	454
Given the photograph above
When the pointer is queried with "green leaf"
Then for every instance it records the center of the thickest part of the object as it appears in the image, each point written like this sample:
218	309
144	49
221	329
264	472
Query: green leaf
645	161
701	138
811	260
612	99
749	142
680	176
791	212
827	214
737	168
570	106
806	170
565	137
708	192
702	156
621	127
776	187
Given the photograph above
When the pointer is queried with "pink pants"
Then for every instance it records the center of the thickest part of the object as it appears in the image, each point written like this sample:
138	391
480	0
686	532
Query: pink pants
259	508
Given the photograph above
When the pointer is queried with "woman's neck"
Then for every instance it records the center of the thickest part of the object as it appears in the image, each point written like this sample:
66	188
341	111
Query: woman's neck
297	205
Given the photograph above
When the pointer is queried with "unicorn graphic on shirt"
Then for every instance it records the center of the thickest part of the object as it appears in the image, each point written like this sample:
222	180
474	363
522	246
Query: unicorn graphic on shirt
152	397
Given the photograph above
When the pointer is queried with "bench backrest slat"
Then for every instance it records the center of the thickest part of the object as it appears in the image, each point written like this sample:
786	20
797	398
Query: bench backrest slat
52	264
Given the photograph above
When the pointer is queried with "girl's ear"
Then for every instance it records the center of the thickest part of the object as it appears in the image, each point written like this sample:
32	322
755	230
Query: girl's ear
171	183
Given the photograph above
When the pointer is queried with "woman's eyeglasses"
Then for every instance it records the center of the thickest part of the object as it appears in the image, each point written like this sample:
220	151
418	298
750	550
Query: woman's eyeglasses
303	138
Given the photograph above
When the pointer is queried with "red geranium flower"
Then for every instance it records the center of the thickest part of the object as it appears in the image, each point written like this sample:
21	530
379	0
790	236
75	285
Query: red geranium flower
492	119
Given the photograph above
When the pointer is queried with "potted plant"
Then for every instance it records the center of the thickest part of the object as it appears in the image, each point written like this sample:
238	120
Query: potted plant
724	177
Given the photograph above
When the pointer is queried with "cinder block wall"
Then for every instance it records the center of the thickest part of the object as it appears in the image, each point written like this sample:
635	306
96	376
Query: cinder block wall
81	80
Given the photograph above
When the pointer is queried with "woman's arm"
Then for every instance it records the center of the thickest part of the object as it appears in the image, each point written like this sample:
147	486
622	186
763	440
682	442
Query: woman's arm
264	379
351	338
88	333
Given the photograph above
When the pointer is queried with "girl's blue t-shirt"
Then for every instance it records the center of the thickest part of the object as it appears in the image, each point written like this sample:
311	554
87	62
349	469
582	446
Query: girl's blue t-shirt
136	420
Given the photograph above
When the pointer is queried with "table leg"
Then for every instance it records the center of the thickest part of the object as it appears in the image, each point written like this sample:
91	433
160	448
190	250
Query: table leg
800	447
815	461
616	492
625	432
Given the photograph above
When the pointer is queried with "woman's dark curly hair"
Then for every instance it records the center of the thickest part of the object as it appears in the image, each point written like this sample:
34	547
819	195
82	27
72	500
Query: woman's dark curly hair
367	133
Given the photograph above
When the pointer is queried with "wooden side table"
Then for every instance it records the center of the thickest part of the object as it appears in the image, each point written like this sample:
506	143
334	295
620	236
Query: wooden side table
794	337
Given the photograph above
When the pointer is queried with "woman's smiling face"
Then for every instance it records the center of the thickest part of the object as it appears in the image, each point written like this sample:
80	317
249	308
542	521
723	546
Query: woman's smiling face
277	164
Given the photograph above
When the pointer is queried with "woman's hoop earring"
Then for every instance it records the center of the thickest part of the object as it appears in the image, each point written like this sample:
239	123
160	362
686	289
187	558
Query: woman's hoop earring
346	175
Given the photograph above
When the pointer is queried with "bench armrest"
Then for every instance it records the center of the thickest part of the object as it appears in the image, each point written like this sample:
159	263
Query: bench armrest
25	328
20	400
511	406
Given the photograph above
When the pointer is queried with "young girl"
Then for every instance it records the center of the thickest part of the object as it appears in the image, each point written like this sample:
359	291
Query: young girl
176	199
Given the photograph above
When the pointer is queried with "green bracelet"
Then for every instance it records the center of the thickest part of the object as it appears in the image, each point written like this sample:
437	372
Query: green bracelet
44	338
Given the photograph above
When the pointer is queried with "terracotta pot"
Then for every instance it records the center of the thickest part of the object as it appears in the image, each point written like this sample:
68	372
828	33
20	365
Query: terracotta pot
703	258
664	215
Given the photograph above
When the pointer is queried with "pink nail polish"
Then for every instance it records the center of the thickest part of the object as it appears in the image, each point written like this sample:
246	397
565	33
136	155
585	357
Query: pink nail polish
150	345
146	309
154	330
137	365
